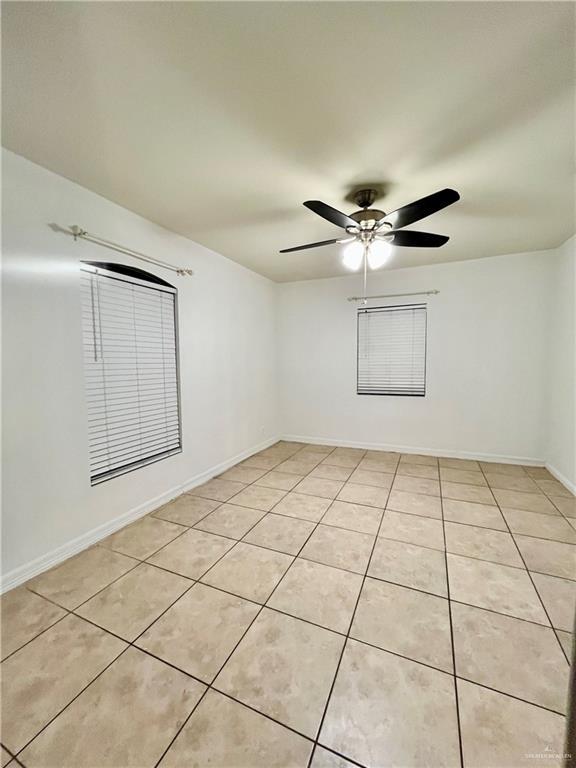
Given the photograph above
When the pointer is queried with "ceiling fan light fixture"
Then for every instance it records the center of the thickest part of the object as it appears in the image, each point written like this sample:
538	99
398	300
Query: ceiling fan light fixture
352	255
378	253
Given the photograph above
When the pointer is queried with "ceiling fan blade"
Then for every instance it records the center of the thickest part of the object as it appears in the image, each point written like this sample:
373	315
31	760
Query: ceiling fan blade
419	209
309	245
330	214
416	239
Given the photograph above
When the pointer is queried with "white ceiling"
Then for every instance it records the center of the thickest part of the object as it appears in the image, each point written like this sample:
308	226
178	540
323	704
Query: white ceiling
217	120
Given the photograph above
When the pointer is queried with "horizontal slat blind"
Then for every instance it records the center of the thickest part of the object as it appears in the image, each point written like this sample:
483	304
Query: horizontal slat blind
131	372
392	350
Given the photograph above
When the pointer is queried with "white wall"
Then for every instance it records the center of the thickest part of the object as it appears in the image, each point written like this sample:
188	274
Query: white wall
485	369
227	318
560	445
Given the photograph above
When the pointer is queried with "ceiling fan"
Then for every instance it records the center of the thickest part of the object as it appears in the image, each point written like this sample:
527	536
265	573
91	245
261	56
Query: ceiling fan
374	232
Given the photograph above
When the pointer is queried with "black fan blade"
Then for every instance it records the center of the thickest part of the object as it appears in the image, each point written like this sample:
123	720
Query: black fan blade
419	209
310	245
417	239
330	214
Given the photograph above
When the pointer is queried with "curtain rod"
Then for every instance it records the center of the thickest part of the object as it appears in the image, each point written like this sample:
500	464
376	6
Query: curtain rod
78	232
393	295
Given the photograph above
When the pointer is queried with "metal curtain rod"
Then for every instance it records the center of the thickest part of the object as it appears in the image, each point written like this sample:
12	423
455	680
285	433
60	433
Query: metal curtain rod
78	232
393	295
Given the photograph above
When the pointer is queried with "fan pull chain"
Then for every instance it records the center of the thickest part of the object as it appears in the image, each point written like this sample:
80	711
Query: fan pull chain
364	299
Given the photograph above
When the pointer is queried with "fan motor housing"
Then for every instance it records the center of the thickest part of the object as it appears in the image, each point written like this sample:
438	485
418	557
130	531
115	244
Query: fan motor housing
367	214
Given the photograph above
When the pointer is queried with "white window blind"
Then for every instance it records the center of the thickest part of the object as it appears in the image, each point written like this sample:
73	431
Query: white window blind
392	350
131	370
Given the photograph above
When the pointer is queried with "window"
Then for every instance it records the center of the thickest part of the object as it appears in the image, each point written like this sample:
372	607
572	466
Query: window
392	350
131	368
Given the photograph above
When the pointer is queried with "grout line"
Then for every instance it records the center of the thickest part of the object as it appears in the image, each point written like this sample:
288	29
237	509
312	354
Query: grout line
456	699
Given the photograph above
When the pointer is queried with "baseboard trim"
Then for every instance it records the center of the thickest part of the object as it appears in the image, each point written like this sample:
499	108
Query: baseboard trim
528	461
27	571
561	478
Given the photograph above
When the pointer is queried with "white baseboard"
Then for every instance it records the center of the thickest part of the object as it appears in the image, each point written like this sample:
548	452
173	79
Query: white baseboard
24	572
562	478
528	461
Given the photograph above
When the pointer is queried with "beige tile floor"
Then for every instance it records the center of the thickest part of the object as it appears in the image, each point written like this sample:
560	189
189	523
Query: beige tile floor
313	606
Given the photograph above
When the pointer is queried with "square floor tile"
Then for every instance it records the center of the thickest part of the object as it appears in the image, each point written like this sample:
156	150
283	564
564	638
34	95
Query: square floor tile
218	490
316	486
512	482
90	731
538	525
423	531
415	504
494	587
554	488
282	481
23	616
466	476
498	730
559	598
45	675
552	557
419	458
280	663
365	477
385	464
284	534
402	620
540	473
304	507
249	571
472	513
510	655
338	547
354	517
464	492
566	506
330	472
198	633
261	462
257	497
409	565
230	520
468	464
142	538
348	460
389	711
508	469
128	606
298	466
533	502
417	470
225	734
5	757
192	553
483	543
186	509
318	593
369	495
241	474
416	485
75	580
